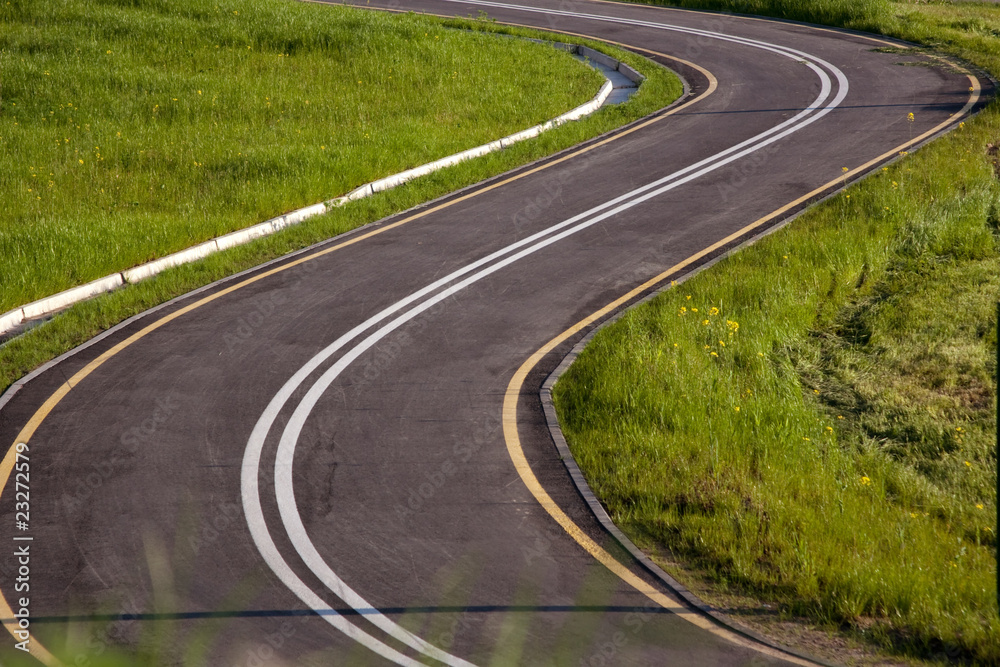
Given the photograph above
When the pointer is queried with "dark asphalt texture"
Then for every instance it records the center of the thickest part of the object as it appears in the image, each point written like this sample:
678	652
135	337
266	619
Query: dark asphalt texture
402	475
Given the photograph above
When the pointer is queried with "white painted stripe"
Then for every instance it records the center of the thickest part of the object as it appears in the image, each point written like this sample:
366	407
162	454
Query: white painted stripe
265	545
285	456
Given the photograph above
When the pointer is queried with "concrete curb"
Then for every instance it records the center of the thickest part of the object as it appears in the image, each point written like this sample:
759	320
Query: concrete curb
13	319
597	509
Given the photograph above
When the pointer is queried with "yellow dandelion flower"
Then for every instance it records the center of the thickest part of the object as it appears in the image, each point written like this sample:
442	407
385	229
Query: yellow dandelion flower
979	506
713	311
865	481
705	322
714	354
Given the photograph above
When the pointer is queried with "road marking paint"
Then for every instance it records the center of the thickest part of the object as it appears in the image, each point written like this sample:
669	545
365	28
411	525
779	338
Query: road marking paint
263	542
7	464
515	387
284	458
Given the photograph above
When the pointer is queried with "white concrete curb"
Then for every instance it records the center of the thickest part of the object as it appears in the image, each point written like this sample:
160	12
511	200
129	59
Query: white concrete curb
14	318
71	296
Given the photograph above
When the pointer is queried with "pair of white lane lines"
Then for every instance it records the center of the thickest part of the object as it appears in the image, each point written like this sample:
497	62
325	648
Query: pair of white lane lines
420	301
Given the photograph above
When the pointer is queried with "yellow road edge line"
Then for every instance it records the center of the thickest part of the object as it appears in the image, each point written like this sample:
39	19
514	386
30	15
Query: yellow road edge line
7	465
24	436
515	390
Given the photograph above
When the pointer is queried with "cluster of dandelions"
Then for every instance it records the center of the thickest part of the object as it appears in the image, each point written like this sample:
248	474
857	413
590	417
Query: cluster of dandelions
719	329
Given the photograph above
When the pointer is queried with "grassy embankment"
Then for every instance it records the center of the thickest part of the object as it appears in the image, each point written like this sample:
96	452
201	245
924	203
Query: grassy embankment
132	129
811	422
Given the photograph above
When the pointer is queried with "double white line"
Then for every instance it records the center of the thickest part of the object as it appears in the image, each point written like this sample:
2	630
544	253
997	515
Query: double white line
833	91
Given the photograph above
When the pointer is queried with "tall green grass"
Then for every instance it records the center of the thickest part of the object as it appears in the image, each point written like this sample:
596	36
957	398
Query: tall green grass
130	129
812	420
83	321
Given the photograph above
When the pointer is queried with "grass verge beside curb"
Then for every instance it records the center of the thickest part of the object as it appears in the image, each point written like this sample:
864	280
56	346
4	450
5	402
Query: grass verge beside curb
826	413
81	322
130	130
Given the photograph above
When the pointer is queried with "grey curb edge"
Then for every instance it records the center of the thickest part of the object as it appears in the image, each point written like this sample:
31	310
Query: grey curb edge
576	474
590	498
580	481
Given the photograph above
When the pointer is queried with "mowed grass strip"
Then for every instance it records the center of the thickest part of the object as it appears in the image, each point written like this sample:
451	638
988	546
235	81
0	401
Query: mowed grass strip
811	422
132	129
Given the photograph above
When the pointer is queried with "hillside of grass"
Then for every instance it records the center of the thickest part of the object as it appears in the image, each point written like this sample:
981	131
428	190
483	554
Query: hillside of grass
811	422
51	247
132	129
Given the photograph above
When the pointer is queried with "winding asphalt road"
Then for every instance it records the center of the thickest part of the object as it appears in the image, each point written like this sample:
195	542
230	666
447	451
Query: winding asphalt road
341	457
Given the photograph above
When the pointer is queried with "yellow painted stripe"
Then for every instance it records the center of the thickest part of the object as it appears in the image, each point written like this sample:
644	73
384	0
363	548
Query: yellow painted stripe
26	433
515	388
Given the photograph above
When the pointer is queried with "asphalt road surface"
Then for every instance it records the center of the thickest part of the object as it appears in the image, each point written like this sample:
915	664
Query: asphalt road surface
341	457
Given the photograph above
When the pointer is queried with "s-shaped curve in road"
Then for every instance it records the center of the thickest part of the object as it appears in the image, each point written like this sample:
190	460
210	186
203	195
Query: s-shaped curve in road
336	483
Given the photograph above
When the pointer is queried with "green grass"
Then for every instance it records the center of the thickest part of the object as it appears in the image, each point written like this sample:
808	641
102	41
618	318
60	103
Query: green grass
43	249
129	130
820	432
